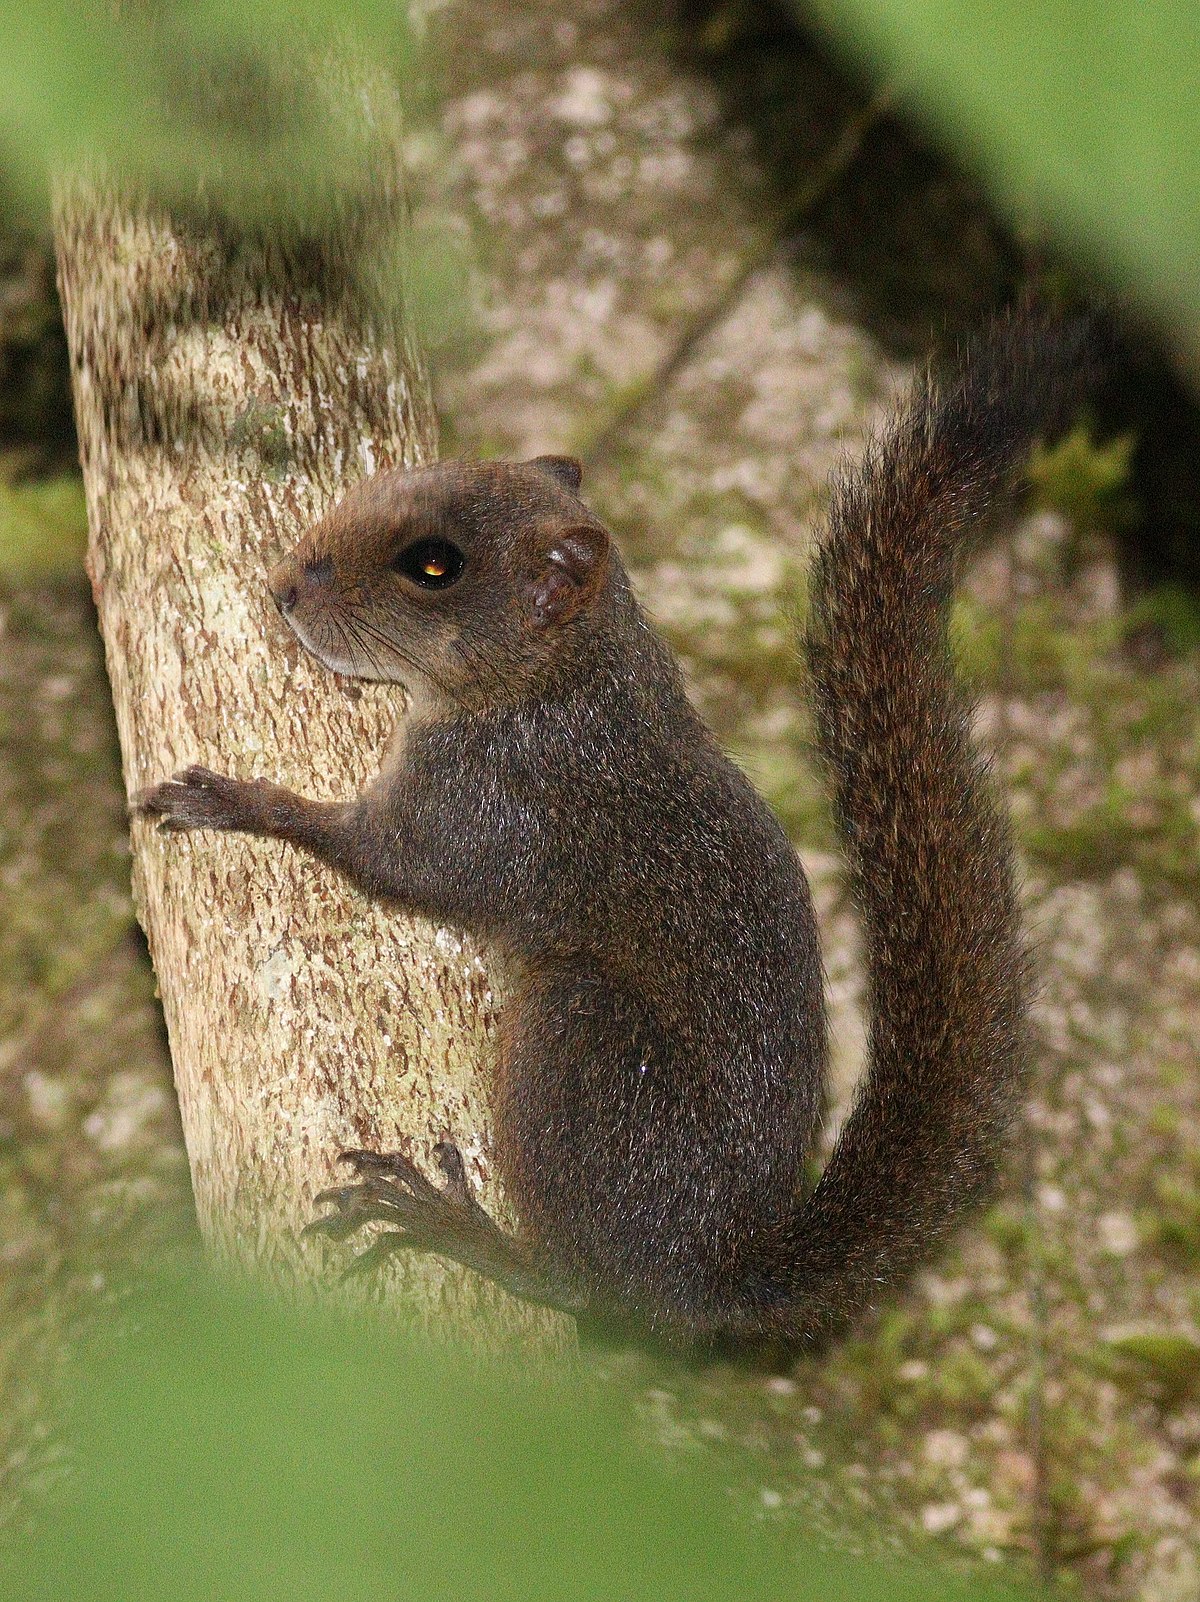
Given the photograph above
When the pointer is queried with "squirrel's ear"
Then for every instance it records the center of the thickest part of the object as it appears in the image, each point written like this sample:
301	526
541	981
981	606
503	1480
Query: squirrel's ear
571	572
565	469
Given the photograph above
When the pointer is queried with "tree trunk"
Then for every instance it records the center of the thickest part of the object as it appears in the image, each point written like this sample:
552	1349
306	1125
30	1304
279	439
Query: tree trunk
227	389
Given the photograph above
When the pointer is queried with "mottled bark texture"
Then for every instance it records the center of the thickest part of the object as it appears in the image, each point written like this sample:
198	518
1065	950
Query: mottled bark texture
227	389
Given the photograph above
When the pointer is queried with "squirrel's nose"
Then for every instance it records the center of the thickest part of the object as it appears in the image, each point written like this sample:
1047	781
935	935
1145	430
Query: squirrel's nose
283	582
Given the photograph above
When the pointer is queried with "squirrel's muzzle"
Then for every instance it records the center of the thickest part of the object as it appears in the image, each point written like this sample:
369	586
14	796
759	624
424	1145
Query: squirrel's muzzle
284	582
289	580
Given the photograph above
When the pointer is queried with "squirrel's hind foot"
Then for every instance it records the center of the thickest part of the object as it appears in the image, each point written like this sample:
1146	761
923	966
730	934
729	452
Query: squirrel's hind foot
447	1221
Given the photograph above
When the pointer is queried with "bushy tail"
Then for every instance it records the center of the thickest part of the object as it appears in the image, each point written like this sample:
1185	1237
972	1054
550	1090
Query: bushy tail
929	856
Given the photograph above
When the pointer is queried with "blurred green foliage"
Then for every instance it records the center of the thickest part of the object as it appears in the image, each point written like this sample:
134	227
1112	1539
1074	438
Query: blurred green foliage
1174	611
231	1448
1083	112
1165	1362
201	99
1085	479
43	525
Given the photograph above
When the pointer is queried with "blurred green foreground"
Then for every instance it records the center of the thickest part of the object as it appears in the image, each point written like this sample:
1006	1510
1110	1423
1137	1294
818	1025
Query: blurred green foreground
225	1447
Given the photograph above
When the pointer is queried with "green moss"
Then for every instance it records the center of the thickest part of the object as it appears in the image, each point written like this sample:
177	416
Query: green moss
964	1379
262	430
1163	712
1163	1361
1114	832
754	665
1174	611
976	641
1039	646
1174	1223
804	813
1164	1120
1008	1229
1174	1075
1091	844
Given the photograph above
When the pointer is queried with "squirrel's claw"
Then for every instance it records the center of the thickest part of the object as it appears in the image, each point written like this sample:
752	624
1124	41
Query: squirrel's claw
334	1226
335	1196
391	1165
449	1222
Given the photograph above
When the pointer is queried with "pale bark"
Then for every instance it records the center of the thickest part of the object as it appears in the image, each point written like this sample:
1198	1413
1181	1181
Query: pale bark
226	394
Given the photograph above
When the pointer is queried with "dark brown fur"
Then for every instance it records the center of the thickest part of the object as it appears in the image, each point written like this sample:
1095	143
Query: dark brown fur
662	1069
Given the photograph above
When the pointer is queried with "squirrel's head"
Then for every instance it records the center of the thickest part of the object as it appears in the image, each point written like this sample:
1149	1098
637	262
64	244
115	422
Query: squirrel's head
464	581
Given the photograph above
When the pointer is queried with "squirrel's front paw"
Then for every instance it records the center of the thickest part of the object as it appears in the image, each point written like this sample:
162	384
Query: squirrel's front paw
198	798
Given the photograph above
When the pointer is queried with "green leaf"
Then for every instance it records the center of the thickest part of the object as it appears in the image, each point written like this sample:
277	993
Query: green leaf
198	100
1083	113
229	1448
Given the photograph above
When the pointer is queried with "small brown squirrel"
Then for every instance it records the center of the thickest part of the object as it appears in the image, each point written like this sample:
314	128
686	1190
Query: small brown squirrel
662	1064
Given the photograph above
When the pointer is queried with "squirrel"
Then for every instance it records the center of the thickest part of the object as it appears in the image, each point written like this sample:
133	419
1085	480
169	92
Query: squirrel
661	1069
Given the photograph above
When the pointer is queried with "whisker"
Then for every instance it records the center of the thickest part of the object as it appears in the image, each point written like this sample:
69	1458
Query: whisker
356	643
365	630
422	668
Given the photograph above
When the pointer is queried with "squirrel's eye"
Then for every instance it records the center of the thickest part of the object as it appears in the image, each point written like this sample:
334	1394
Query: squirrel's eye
433	564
